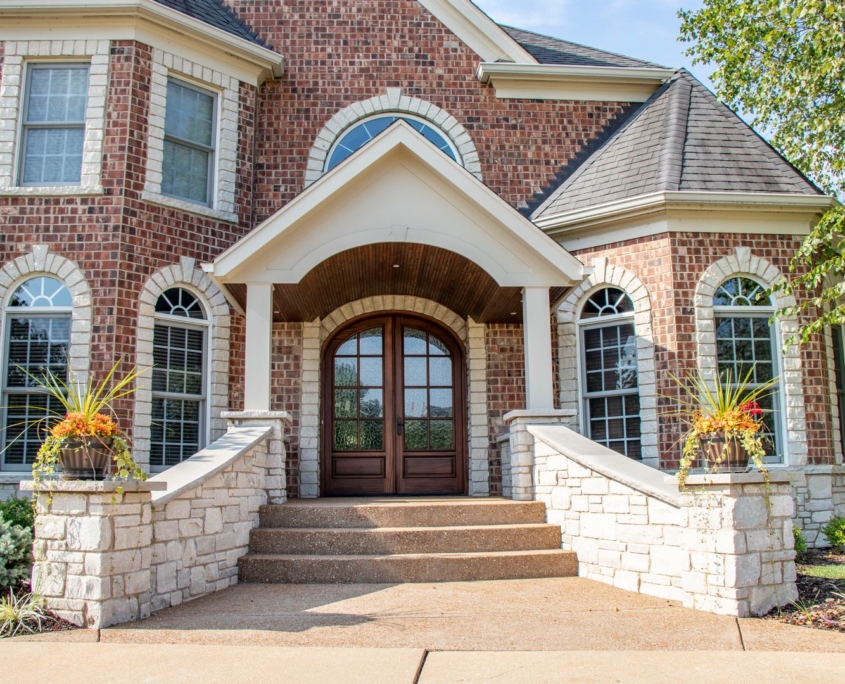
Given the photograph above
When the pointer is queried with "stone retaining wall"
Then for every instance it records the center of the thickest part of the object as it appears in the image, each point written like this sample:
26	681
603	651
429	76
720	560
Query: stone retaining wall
723	545
105	556
819	496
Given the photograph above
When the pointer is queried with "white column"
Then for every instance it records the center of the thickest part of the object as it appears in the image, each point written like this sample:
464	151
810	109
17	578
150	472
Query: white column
259	333
537	332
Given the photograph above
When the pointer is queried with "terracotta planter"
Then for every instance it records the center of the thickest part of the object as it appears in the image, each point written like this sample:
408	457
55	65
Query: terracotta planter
88	459
734	457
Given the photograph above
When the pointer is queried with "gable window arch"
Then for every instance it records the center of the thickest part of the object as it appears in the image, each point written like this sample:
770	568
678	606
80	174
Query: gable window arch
610	393
37	323
179	378
746	345
362	132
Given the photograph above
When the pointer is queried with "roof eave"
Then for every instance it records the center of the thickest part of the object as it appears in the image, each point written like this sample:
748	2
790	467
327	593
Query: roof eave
271	64
570	221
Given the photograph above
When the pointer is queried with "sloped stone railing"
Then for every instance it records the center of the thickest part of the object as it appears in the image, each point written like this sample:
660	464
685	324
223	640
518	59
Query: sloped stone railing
724	545
104	557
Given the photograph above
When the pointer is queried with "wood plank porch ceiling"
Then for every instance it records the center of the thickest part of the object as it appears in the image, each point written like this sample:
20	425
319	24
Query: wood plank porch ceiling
423	271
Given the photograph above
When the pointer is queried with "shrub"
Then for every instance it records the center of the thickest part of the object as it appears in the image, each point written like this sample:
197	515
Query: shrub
23	613
835	533
18	512
15	555
800	540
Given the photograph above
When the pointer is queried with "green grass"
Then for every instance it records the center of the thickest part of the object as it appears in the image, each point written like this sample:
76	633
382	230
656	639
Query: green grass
836	572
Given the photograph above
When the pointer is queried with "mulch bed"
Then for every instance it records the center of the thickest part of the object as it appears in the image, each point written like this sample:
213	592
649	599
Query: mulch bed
821	601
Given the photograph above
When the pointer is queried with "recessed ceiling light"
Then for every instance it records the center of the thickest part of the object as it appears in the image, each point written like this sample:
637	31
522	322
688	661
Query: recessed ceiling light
513	313
395	265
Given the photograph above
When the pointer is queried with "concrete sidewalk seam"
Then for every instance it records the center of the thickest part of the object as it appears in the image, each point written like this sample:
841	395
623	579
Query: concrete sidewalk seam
422	665
741	638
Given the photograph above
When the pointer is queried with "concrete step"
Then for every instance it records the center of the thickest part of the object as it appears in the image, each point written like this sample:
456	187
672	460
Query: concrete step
404	540
368	514
434	567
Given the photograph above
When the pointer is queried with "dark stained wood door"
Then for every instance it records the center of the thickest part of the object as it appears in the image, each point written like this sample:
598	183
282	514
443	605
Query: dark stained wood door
394	409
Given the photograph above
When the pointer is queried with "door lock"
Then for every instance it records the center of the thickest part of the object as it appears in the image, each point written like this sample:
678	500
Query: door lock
399	424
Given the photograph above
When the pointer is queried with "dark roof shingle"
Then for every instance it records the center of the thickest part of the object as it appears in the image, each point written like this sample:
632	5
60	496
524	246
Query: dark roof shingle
684	139
218	14
548	50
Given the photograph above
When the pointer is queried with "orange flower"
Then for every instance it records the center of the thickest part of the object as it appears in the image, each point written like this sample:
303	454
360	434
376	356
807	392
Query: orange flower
80	425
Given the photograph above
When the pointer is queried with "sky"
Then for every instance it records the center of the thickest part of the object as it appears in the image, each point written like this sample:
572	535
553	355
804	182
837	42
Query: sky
646	29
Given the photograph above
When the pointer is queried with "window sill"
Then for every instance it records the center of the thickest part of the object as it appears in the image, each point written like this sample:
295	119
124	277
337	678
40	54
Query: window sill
189	207
54	191
14	477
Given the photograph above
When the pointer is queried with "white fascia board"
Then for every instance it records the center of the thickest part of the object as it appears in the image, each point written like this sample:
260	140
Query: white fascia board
563	82
481	34
706	201
398	135
269	64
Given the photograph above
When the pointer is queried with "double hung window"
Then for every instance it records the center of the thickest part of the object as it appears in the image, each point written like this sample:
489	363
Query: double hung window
189	140
179	378
746	344
609	381
839	374
54	124
37	328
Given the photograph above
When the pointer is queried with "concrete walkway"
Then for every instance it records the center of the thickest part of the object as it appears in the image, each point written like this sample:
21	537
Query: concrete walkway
551	630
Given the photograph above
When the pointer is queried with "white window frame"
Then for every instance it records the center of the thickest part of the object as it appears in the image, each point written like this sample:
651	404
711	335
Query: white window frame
767	312
582	325
10	312
19	56
189	324
166	66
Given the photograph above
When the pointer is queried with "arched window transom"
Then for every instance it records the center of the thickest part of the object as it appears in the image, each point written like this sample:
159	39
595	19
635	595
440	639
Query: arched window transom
746	347
362	132
38	325
609	375
180	379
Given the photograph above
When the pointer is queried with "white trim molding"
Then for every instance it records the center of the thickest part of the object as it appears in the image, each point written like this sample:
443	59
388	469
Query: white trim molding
227	90
393	102
567	82
186	275
744	263
18	54
604	274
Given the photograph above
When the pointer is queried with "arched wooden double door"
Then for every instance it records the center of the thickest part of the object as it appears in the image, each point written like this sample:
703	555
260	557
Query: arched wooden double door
394	409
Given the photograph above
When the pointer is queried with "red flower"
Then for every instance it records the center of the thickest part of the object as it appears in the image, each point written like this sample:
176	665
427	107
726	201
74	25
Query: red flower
752	408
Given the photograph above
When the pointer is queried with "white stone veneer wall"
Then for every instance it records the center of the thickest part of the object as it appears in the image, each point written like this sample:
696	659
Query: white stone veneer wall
819	496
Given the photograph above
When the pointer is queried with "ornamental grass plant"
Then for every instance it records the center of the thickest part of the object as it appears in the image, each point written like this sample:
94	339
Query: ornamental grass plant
721	417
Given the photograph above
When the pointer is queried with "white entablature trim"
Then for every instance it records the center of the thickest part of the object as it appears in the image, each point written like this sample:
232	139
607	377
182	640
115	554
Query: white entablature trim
393	102
41	262
744	263
398	188
605	274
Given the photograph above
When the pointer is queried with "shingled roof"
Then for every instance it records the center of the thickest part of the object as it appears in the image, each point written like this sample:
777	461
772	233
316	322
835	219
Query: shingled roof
548	50
681	139
218	14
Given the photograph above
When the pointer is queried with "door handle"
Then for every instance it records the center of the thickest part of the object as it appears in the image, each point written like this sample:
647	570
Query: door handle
399	424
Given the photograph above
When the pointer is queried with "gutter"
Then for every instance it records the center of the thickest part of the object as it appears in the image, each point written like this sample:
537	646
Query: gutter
490	71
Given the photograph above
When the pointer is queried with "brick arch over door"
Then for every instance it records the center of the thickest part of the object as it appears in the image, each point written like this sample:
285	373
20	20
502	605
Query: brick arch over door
470	333
606	274
744	263
41	262
184	274
393	102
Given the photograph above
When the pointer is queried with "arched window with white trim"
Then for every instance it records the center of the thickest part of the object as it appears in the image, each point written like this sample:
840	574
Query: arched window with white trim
746	343
179	378
609	374
38	326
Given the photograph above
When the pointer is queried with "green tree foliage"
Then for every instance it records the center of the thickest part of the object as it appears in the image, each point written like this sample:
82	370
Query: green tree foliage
783	62
18	512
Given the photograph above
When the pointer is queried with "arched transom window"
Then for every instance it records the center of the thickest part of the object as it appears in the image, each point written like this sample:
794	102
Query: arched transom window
37	325
746	346
180	378
609	379
361	133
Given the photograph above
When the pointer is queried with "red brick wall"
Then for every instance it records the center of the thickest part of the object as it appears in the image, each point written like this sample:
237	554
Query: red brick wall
286	390
670	266
339	52
505	387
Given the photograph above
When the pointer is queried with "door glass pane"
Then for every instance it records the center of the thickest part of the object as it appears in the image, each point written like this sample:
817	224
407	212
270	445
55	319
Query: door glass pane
371	342
416	403
442	434
416	434
345	435
346	372
415	375
345	401
372	435
371	371
414	341
349	348
372	403
441	371
441	403
436	347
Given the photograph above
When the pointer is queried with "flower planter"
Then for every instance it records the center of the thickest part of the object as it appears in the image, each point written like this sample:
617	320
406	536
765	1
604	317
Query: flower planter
723	455
88	459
